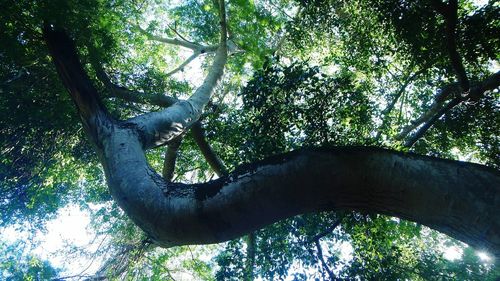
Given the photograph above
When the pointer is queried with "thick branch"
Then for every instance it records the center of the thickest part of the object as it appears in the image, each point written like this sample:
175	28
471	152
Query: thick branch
157	128
76	81
459	199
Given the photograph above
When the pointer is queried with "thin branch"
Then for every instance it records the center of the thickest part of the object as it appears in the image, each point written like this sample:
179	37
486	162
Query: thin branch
415	137
475	93
390	107
171	41
186	62
170	158
117	91
448	92
323	262
181	43
180	35
450	14
327	231
215	163
250	257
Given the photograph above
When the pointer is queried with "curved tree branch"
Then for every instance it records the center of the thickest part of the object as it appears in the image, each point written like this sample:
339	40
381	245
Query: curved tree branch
453	197
157	128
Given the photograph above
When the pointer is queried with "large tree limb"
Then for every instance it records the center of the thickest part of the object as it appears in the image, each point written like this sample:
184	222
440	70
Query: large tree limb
459	199
157	128
76	81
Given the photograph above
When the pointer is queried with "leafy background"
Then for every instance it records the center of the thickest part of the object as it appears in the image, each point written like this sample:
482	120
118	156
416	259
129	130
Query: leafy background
306	73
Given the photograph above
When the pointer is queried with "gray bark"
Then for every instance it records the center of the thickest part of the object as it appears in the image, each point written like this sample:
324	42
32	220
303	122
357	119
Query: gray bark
459	199
456	198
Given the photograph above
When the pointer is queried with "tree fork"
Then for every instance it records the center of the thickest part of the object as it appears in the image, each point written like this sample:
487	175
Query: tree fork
456	198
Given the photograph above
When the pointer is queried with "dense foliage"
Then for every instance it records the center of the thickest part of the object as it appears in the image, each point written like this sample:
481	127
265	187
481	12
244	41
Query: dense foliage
300	73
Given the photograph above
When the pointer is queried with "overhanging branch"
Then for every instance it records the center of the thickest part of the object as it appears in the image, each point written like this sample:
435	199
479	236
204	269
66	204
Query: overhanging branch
363	179
437	111
157	128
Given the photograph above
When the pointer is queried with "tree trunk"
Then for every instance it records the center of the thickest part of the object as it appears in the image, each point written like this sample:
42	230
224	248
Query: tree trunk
456	198
459	199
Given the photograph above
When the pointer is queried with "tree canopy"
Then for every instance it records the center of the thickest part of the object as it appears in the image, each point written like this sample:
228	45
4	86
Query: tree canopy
303	113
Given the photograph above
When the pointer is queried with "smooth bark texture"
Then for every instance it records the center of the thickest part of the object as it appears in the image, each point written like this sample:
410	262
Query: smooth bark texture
459	199
158	128
213	161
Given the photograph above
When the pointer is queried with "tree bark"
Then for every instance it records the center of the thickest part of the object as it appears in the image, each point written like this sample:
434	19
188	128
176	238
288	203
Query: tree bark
459	199
456	198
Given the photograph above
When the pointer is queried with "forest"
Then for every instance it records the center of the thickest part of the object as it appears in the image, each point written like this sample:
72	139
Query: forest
250	139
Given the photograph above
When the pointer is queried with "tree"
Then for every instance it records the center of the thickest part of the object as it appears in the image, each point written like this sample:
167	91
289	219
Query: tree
285	105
